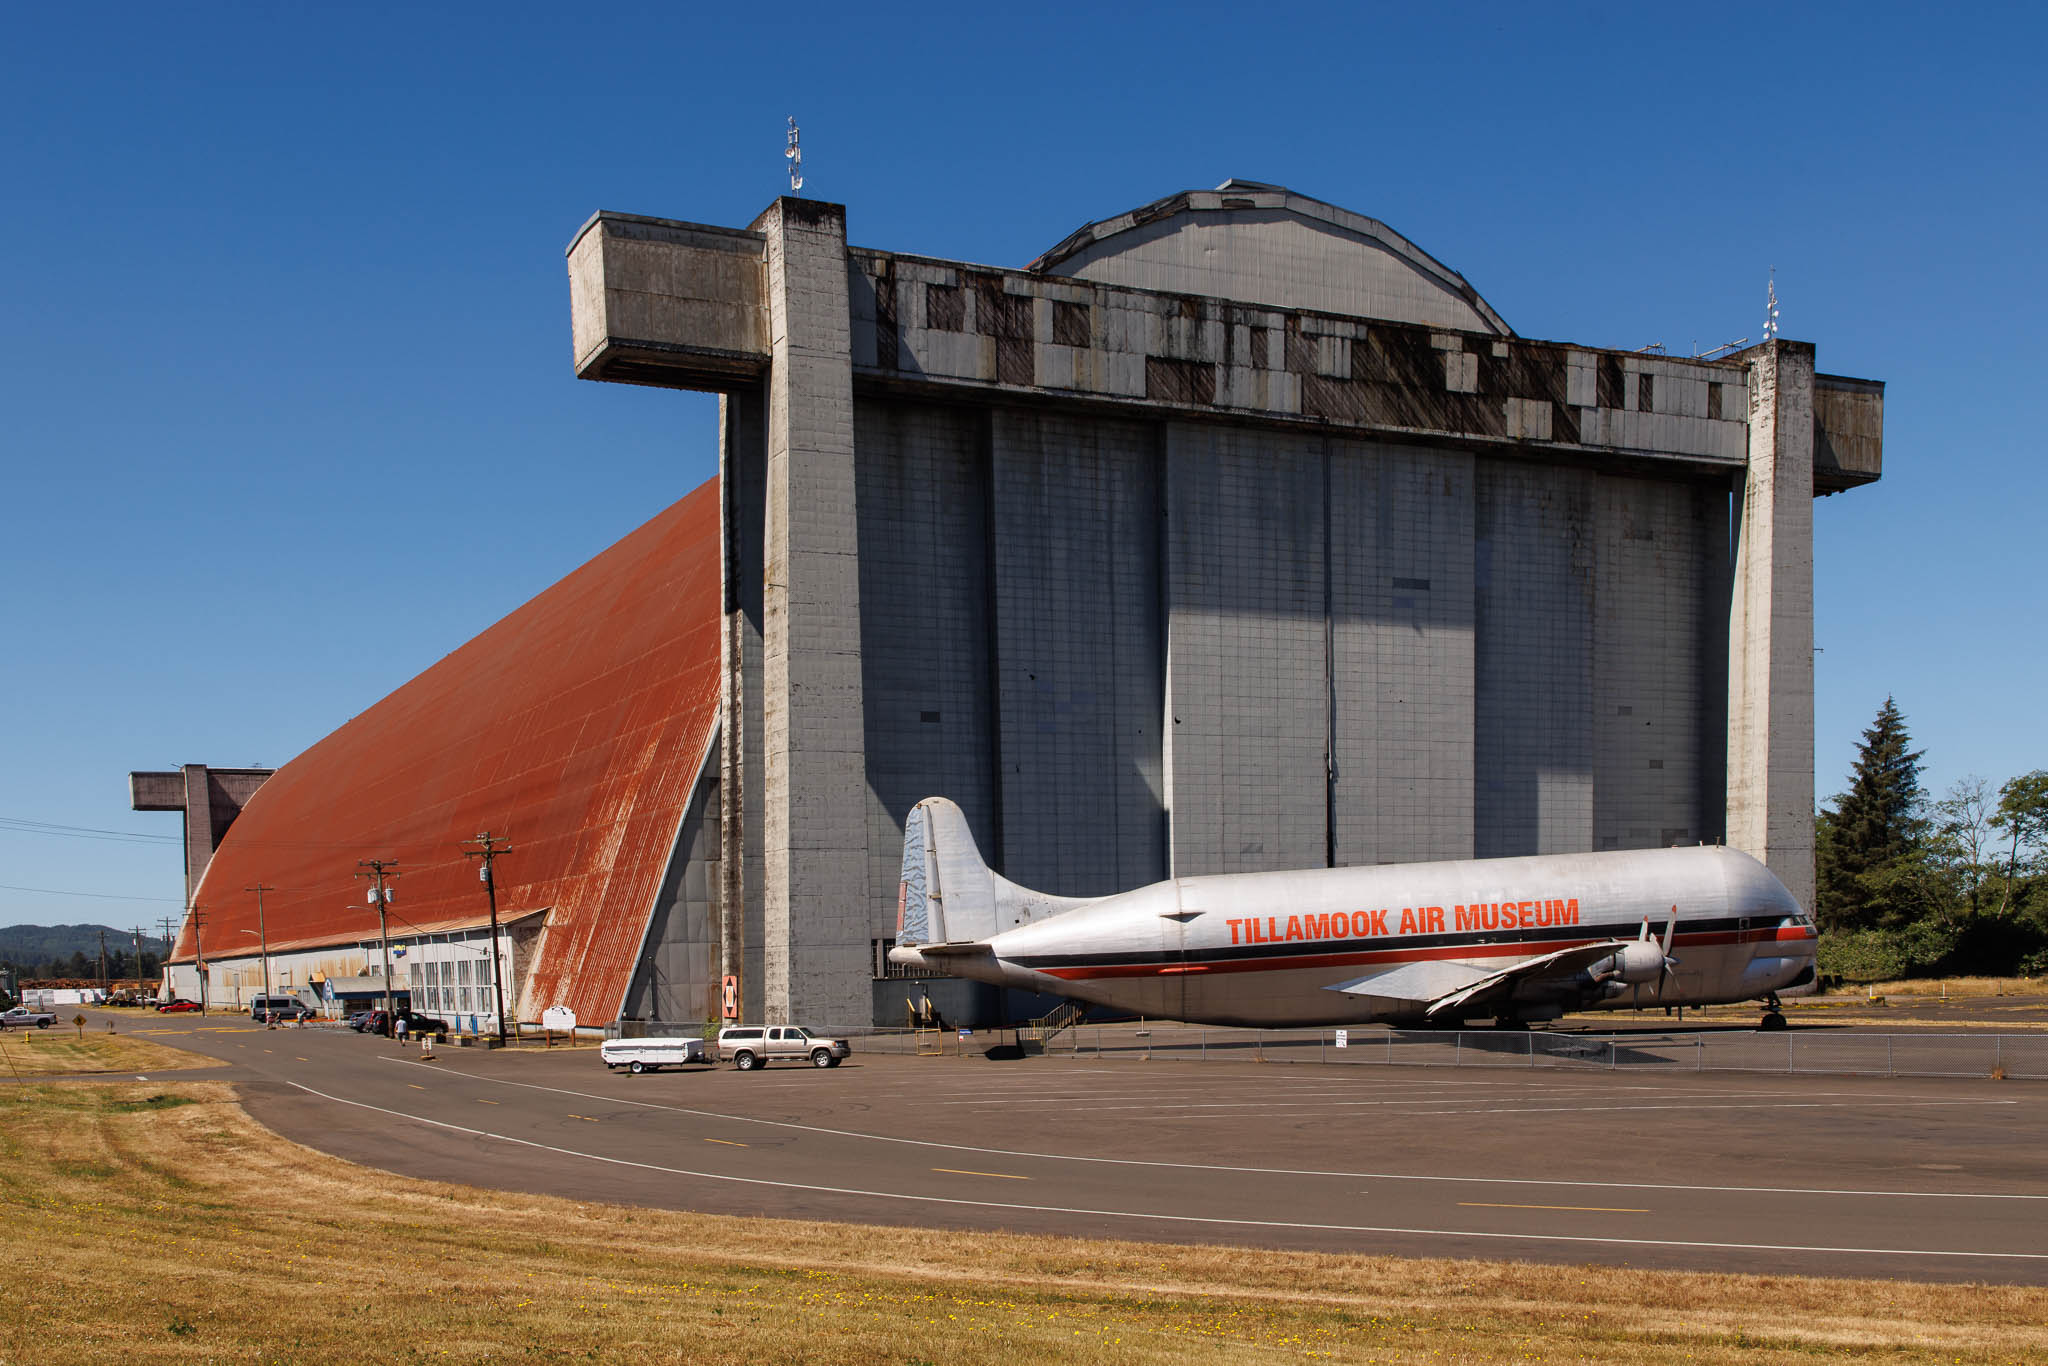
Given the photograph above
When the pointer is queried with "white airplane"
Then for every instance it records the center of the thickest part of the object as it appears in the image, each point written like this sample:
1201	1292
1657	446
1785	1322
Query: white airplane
1430	944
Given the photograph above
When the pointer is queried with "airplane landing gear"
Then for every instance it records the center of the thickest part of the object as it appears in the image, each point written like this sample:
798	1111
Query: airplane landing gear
1774	1013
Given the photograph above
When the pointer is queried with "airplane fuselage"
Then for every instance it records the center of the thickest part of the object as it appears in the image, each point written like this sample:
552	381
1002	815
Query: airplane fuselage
1355	945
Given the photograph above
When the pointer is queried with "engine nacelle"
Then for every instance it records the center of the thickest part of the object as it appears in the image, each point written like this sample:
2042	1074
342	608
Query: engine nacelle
1637	964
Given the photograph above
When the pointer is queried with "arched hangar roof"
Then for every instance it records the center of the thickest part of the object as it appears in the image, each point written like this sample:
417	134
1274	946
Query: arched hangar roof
577	726
1265	244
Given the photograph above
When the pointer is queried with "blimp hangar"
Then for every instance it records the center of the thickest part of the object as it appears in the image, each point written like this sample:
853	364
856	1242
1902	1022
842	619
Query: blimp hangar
1233	533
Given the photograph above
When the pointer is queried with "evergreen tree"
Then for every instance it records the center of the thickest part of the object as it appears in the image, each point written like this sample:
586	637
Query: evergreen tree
1869	844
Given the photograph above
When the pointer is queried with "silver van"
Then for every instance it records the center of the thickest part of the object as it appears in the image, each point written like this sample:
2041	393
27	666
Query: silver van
750	1046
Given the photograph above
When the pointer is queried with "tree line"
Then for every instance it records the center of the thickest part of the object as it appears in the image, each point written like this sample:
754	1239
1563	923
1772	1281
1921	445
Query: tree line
39	952
1910	885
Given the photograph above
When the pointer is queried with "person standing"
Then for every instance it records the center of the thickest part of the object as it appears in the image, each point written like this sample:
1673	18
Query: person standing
398	1024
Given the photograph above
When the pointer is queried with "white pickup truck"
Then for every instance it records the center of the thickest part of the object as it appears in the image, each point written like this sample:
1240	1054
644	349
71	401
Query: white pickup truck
645	1055
748	1047
24	1017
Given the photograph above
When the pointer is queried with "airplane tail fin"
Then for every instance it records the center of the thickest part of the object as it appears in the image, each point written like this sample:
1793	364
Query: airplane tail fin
948	895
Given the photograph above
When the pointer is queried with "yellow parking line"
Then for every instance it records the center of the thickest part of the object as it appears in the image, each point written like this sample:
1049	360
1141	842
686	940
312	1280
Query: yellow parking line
585	1118
1582	1209
728	1142
1003	1176
481	1101
416	1088
301	1059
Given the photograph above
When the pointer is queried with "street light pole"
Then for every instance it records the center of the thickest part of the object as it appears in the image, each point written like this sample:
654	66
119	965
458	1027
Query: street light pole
262	937
492	847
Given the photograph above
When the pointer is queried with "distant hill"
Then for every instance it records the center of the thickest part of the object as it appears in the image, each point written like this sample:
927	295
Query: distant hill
28	945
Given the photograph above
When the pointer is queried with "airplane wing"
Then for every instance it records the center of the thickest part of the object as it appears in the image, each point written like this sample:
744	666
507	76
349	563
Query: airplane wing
1454	989
1496	987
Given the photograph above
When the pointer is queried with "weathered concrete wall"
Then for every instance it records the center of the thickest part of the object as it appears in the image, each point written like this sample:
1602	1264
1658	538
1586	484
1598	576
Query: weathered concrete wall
653	301
1077	519
1152	579
814	839
940	326
1533	588
1401	536
925	628
1848	432
743	480
1247	687
209	798
1770	623
1657	548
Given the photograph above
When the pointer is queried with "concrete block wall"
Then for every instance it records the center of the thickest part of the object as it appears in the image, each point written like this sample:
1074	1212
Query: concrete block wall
924	628
743	473
1533	590
1401	532
1080	652
1247	683
1656	549
815	952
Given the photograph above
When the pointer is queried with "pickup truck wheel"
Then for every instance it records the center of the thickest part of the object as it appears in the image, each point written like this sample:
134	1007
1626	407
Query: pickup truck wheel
821	1057
745	1061
42	1024
636	1067
833	1063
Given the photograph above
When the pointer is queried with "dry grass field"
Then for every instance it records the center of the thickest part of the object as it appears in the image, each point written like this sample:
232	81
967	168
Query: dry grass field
159	1223
61	1051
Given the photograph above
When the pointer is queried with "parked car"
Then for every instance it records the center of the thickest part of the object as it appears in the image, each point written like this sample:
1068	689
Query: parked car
380	1022
645	1055
750	1046
279	1008
178	1007
23	1018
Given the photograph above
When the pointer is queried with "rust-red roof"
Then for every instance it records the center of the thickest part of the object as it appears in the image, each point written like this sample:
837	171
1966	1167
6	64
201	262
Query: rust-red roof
575	727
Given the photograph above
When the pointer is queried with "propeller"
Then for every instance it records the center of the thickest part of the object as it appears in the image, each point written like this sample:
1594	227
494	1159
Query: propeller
1664	968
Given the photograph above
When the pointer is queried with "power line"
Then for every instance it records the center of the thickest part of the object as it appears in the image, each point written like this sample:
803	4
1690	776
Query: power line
22	826
97	896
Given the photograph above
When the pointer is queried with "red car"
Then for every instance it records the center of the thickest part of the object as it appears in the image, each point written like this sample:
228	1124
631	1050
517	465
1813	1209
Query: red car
176	1007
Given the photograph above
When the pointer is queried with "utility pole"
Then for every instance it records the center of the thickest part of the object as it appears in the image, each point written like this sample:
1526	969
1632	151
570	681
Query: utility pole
103	965
137	932
492	847
170	946
199	953
263	936
381	868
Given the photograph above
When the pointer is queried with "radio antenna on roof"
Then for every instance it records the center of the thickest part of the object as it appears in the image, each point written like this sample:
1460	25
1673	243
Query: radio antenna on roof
795	154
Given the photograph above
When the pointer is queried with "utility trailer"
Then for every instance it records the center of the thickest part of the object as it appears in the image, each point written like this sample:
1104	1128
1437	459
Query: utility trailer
645	1055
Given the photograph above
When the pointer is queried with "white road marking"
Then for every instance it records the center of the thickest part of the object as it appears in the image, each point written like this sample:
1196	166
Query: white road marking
1184	1218
1242	1171
1771	1105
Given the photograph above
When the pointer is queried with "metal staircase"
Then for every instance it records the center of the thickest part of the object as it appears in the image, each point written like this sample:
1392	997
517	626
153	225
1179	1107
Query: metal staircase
1042	1032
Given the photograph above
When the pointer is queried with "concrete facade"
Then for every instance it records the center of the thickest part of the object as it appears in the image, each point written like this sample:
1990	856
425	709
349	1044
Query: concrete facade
1158	563
209	799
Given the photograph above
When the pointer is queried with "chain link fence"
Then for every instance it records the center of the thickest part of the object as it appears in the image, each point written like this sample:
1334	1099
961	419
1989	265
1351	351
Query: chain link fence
1831	1052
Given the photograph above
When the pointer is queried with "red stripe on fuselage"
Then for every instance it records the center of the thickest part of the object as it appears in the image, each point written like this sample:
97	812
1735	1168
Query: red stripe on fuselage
1374	957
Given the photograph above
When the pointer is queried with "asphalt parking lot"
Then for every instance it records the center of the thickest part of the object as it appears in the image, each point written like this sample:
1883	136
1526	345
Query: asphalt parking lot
1929	1178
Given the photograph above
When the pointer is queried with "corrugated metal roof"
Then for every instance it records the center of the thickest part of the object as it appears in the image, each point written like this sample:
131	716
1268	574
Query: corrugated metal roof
575	727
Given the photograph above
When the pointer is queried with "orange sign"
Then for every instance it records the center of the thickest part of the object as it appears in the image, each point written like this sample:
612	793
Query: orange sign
730	999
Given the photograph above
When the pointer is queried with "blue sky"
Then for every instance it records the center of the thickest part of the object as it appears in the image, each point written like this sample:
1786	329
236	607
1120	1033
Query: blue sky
286	410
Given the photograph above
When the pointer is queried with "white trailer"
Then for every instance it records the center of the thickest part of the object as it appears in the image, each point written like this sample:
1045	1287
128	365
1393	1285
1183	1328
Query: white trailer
645	1055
